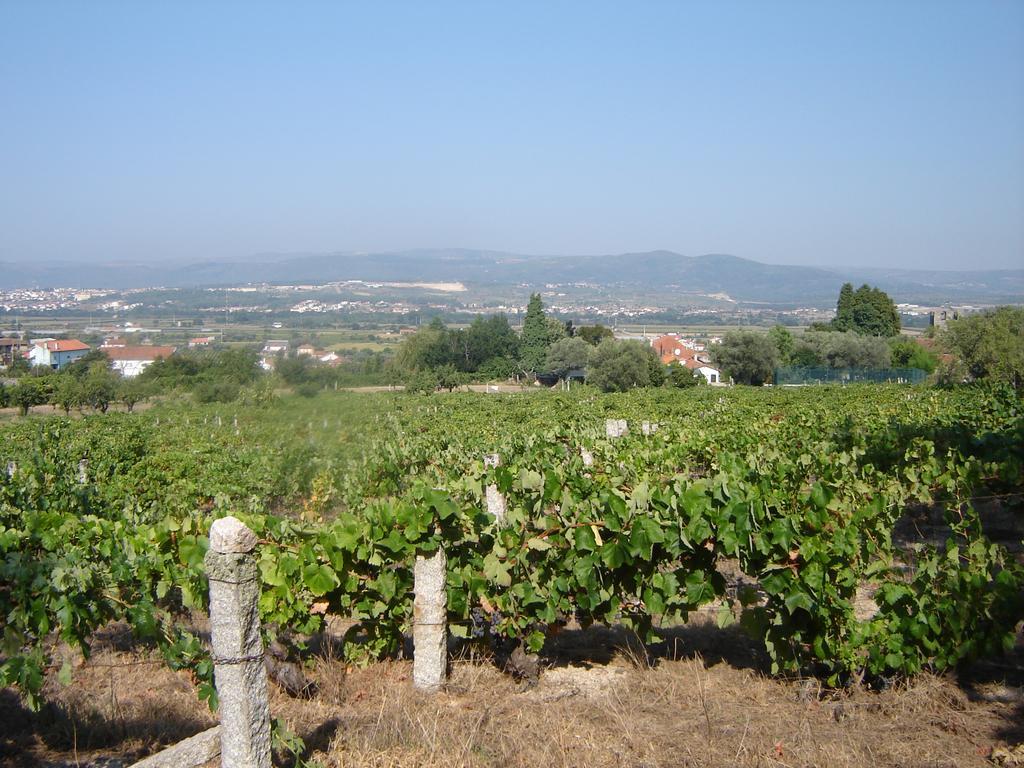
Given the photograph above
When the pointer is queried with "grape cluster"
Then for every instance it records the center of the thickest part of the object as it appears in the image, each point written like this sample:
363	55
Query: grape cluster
484	624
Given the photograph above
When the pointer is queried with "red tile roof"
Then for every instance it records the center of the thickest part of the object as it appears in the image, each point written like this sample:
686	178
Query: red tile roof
64	345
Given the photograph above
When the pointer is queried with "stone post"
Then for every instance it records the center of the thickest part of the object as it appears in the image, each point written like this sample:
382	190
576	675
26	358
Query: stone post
496	505
239	671
587	456
430	622
616	427
12	469
83	471
649	427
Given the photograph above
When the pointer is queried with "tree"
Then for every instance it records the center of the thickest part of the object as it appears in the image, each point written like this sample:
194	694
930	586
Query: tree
594	334
294	370
99	387
907	353
30	391
617	366
424	381
748	357
990	344
537	336
132	391
868	311
240	366
556	330
805	355
566	355
487	339
682	377
427	348
784	342
843	350
656	374
67	393
80	368
448	377
844	309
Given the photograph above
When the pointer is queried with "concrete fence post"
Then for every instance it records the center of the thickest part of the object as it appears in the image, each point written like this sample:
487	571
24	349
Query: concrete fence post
615	428
430	622
239	671
83	471
496	505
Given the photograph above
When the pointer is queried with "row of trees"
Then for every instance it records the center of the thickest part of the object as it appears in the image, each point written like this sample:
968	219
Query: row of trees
863	334
86	383
89	382
751	357
490	348
987	346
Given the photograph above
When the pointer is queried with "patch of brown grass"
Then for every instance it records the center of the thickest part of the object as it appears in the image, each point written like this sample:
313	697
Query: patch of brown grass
679	713
696	701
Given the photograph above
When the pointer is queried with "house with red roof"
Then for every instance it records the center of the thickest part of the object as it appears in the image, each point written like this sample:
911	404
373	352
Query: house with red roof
56	353
674	350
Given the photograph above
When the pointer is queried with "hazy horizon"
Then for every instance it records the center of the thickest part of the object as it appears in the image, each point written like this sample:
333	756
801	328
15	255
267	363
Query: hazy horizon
255	258
863	134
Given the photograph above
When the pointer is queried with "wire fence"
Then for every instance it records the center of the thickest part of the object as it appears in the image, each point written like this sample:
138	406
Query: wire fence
801	376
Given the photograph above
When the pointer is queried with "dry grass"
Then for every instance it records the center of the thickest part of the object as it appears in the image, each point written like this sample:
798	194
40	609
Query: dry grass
698	700
679	713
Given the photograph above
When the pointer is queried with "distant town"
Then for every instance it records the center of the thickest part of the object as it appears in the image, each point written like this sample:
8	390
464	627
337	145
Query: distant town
387	302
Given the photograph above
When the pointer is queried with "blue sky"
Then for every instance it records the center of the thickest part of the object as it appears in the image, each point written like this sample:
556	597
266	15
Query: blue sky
858	133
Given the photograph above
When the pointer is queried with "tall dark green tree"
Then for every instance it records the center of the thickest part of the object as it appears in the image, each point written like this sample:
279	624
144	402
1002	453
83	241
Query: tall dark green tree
844	309
867	311
536	336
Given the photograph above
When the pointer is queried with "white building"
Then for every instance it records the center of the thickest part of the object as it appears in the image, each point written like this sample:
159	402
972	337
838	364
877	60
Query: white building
131	361
56	353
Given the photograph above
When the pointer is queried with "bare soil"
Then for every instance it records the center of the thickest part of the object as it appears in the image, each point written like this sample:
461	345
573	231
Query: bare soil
700	698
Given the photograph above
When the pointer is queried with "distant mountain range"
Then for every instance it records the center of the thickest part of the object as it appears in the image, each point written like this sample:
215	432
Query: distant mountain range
662	272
